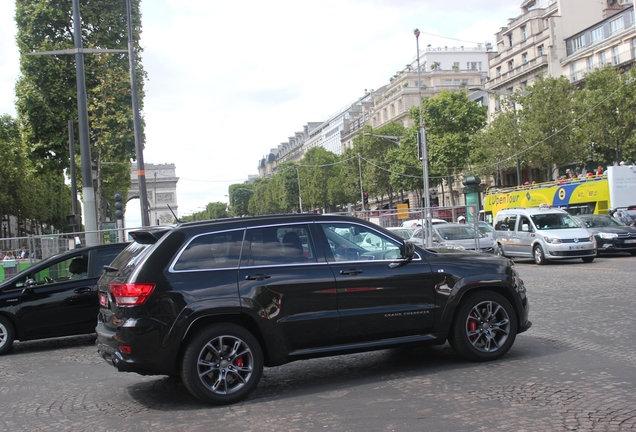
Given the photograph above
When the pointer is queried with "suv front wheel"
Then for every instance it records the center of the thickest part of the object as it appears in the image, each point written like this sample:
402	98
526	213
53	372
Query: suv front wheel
222	364
484	327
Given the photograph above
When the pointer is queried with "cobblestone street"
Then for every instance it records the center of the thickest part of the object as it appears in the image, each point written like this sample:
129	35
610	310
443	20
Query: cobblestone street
574	370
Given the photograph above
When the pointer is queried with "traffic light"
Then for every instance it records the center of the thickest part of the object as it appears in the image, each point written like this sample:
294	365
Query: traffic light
119	205
366	198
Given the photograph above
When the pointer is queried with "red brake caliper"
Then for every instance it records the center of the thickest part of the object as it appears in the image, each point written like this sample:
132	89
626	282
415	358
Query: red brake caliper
239	362
472	324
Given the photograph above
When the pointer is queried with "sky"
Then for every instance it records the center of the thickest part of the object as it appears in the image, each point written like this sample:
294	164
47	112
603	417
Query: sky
228	81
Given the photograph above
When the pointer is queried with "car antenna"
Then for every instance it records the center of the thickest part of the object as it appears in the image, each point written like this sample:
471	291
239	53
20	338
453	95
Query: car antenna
173	214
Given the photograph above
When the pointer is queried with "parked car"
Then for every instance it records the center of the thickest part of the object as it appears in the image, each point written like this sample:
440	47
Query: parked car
456	236
414	223
611	234
486	229
216	301
542	233
53	298
404	233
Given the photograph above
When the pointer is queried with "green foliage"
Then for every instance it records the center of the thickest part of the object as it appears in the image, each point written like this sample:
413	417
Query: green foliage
609	104
12	167
546	123
240	194
213	210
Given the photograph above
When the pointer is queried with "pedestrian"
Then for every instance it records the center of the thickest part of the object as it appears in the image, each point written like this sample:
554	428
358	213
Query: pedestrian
9	264
24	253
600	170
461	220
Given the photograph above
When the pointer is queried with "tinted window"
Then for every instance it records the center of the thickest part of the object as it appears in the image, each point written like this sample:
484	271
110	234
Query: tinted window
550	221
211	251
285	244
351	242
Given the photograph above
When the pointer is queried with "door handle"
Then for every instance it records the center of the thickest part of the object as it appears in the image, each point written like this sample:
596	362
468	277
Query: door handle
350	272
84	290
258	277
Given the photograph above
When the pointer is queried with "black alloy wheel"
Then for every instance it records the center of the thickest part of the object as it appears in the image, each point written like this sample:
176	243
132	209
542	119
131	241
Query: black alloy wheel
484	327
222	364
7	335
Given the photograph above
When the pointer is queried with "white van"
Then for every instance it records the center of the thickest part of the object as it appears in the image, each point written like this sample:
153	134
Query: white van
542	233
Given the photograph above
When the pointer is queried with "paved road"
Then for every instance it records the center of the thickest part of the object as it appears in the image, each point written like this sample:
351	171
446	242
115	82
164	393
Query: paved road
574	370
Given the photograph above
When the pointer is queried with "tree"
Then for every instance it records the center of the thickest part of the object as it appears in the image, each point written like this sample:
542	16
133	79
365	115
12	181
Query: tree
46	91
450	119
12	167
240	194
608	103
318	167
546	124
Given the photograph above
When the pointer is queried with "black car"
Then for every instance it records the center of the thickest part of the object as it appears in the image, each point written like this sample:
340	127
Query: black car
53	298
215	301
611	234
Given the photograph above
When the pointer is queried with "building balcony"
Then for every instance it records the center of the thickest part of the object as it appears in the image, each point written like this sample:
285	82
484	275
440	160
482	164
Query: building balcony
536	64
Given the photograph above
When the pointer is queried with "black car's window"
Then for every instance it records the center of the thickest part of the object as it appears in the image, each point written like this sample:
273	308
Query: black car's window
284	244
353	242
71	268
212	251
105	258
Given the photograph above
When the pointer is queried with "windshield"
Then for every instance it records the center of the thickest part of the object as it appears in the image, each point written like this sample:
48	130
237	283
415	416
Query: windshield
459	232
601	221
552	221
485	228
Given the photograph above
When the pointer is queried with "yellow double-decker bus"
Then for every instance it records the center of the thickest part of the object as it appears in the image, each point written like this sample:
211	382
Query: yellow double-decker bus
589	196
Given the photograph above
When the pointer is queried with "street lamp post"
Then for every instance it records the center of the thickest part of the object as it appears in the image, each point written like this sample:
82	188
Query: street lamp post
422	144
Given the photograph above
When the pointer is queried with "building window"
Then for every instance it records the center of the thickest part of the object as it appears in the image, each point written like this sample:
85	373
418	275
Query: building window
499	71
541	50
524	84
497	104
617	25
510	39
524	33
602	59
464	82
578	43
573	72
590	63
456	82
597	34
634	48
511	65
448	82
524	57
615	55
455	65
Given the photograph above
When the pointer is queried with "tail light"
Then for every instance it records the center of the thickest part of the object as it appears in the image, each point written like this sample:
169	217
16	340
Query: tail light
131	294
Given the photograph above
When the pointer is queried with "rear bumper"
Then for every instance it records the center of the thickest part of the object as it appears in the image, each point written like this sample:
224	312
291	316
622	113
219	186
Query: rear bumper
127	349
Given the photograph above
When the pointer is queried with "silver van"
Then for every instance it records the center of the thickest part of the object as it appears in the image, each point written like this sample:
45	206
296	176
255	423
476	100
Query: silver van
544	234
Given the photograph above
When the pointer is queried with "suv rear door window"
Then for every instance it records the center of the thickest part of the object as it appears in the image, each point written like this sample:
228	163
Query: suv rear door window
285	244
211	251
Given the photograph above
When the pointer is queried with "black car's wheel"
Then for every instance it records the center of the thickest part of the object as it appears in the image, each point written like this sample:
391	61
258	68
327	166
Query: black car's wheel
222	364
588	259
632	253
484	327
7	335
539	256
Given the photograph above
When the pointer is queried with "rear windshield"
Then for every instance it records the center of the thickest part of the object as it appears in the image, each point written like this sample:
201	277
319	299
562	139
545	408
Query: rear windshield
128	259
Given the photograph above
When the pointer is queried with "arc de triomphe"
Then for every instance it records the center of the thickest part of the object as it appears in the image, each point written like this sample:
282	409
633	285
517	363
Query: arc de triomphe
161	187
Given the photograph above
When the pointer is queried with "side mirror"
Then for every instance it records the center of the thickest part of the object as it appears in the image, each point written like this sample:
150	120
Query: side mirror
525	228
407	249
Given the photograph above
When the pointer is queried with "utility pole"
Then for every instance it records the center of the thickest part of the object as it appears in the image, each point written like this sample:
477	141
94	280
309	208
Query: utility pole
88	192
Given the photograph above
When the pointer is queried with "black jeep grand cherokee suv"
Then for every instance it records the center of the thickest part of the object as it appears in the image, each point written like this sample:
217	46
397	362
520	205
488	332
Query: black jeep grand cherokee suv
216	301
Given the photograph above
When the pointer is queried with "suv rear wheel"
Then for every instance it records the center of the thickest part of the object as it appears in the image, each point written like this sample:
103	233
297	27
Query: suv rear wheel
484	327
222	364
